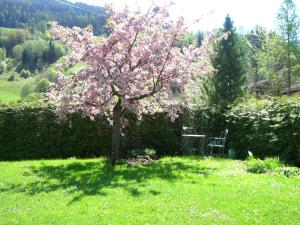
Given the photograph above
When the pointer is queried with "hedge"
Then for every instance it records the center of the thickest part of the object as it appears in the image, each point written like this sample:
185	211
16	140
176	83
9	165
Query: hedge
34	131
268	127
264	127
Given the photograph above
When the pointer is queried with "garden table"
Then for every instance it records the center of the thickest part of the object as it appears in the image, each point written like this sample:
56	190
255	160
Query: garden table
190	140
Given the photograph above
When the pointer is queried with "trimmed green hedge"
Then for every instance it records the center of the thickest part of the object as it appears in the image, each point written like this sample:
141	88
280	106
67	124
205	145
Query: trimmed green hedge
264	127
33	131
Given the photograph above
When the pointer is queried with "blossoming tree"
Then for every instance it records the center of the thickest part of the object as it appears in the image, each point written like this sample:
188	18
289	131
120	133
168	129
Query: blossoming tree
135	68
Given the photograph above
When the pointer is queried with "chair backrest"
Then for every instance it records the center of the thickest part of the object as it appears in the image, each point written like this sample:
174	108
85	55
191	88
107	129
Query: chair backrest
224	136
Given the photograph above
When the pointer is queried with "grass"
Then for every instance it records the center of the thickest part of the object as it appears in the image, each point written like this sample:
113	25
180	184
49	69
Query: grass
6	29
169	191
10	91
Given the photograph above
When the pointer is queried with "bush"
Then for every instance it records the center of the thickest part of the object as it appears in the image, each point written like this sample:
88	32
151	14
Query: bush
150	152
42	86
271	165
2	54
289	171
11	78
267	128
50	74
25	74
262	166
26	90
2	67
133	153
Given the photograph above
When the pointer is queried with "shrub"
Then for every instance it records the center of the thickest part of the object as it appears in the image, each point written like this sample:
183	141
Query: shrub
26	90
289	171
133	153
150	152
2	54
2	67
262	166
266	127
42	86
231	154
17	52
271	165
25	74
11	78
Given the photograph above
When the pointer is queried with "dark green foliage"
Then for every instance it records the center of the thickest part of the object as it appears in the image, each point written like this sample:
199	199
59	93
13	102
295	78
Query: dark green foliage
32	130
262	166
33	54
229	80
289	25
38	53
271	166
17	52
36	13
11	78
25	74
209	121
289	171
2	67
266	128
50	74
139	152
2	54
156	132
200	37
42	86
54	52
10	38
26	90
256	39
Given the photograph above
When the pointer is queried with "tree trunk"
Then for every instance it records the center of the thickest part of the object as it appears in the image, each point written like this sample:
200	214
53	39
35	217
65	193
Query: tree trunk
289	65
116	133
289	74
255	82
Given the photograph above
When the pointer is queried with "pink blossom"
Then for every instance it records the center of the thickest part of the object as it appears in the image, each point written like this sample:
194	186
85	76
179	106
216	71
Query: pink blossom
138	64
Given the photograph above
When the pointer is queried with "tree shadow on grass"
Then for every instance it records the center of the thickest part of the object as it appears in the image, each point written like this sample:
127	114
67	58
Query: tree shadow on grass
95	178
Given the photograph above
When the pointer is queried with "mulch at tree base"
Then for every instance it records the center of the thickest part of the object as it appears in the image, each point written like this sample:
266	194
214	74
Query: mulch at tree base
142	159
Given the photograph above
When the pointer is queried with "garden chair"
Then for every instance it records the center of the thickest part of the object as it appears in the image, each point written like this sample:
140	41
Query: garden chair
218	143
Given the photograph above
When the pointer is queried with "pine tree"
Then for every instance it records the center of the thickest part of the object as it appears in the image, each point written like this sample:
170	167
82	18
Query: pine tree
200	37
229	80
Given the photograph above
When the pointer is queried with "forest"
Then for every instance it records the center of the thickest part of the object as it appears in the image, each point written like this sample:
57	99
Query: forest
28	53
35	14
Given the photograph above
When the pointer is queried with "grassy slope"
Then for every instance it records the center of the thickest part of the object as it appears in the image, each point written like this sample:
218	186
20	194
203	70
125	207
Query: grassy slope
5	29
10	91
171	191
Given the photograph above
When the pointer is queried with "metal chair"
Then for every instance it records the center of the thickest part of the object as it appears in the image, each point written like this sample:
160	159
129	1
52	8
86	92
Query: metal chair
218	143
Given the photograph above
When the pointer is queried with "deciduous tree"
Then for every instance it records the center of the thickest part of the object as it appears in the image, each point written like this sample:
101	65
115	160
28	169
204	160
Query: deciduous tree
289	23
135	68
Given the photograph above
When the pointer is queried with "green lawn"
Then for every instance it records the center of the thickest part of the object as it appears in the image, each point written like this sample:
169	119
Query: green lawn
169	191
10	91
